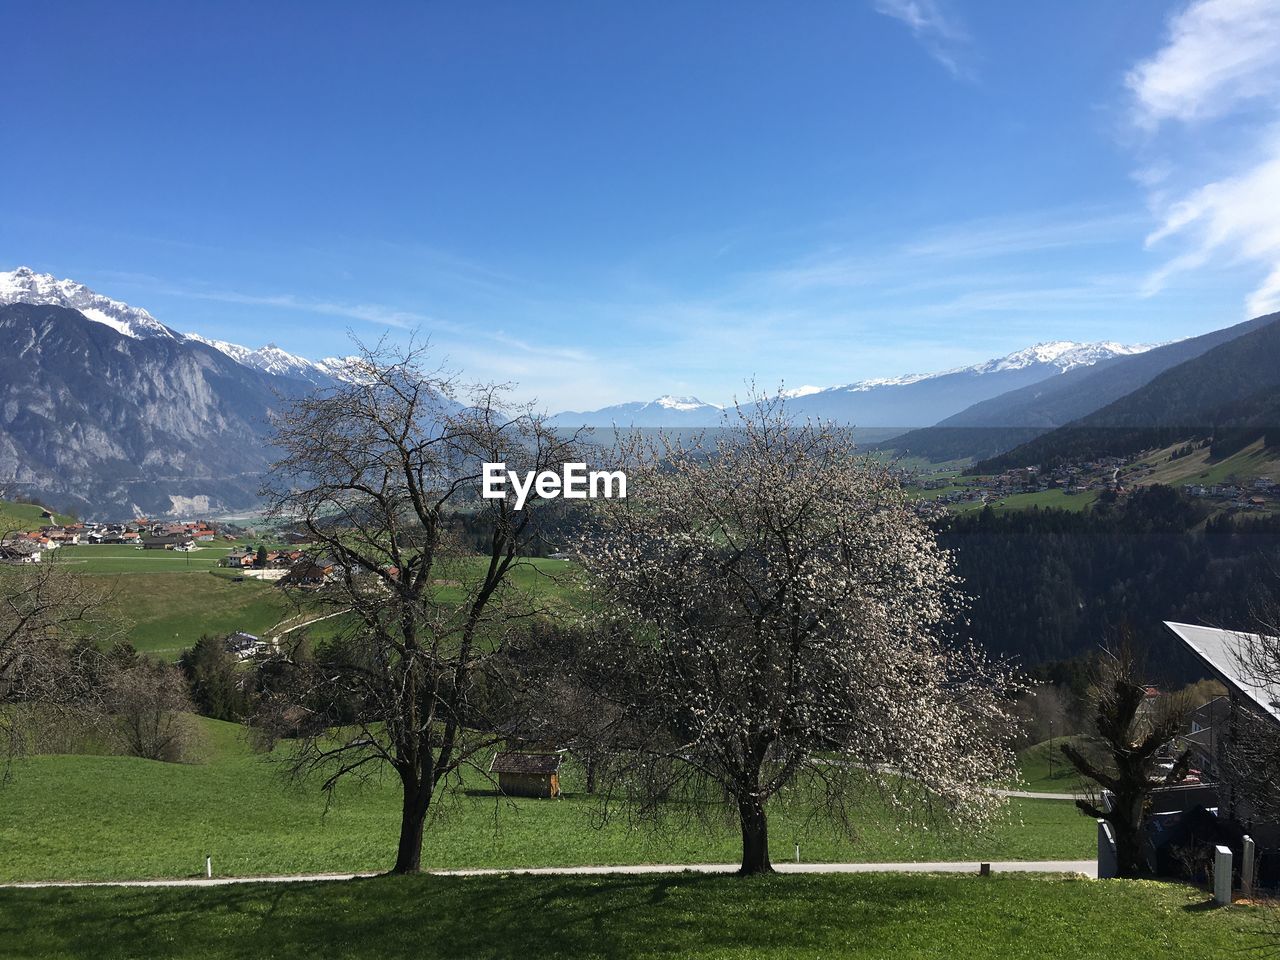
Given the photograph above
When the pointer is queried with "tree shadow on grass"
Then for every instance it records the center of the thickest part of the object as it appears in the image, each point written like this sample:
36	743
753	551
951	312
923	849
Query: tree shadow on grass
490	917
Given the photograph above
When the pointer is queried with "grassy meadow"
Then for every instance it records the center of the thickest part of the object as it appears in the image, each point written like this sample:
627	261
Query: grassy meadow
1046	770
170	598
859	917
25	516
168	612
109	818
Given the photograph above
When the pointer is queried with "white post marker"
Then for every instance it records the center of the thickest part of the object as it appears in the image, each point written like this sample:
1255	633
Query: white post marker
1222	875
208	867
1247	866
797	853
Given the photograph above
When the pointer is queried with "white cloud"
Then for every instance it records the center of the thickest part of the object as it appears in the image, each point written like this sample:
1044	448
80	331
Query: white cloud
941	35
1219	55
1218	78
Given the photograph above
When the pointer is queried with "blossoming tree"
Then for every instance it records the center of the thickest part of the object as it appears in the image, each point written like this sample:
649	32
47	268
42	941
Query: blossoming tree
776	614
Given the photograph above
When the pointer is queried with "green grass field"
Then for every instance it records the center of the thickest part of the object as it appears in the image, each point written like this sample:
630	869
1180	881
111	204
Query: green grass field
1255	460
1044	498
1046	770
121	558
169	612
25	516
100	818
668	915
172	598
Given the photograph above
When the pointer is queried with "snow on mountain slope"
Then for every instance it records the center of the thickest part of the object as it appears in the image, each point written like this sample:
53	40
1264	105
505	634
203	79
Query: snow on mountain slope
916	399
665	411
1062	354
271	359
24	285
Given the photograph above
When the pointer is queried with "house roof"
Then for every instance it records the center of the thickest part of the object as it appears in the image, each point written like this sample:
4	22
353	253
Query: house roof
537	763
1221	651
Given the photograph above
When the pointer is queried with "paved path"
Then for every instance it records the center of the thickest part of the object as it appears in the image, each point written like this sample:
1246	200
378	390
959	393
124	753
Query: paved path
307	623
1036	795
1088	868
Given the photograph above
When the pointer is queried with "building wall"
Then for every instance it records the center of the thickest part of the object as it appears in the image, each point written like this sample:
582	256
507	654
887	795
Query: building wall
529	785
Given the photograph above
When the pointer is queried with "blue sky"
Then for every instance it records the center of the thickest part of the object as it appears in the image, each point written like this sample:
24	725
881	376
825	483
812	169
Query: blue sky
607	202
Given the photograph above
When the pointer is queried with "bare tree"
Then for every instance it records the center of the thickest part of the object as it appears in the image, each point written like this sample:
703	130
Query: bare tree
149	706
46	612
775	612
1130	730
417	681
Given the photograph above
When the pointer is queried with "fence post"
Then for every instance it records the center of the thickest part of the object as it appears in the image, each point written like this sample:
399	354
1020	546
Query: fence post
1221	875
1247	866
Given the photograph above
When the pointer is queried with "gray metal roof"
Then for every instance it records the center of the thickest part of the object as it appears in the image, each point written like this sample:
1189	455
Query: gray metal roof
1222	651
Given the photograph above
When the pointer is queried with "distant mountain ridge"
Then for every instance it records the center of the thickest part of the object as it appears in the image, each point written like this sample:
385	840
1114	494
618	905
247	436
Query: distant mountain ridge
1002	423
24	285
897	402
665	411
1230	393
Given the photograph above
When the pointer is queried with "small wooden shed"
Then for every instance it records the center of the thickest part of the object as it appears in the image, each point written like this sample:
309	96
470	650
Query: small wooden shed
523	774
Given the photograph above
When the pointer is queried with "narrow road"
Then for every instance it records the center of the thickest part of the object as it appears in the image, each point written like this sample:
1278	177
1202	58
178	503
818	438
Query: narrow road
1088	868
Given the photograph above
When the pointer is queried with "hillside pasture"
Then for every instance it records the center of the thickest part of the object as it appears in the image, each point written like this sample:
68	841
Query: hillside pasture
1244	466
15	517
169	613
124	558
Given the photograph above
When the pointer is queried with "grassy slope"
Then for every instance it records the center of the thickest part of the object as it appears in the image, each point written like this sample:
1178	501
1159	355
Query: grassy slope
169	612
24	516
85	817
171	600
1244	466
674	915
1046	770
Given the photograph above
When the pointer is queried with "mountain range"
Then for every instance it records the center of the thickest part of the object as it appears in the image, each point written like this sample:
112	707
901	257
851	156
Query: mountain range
898	403
1001	423
24	285
1228	393
106	410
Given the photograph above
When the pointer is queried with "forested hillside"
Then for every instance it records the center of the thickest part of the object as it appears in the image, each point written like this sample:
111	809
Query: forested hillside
1051	584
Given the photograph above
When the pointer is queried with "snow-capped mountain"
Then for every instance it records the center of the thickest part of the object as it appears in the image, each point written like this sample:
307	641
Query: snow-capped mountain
922	399
665	411
106	409
24	285
280	363
912	400
1061	354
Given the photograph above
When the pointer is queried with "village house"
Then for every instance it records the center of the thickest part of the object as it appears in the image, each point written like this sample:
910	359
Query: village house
19	551
244	645
309	572
1214	730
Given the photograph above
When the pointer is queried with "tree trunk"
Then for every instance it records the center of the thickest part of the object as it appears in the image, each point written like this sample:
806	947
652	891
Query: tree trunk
413	818
1129	835
755	836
